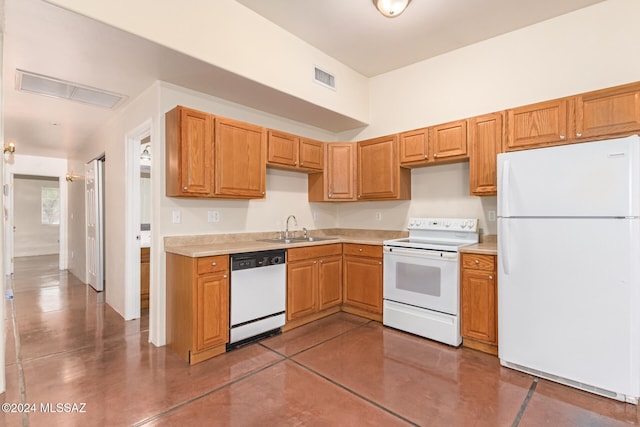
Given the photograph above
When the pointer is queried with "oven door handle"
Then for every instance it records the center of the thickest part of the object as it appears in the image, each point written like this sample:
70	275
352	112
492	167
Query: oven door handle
419	253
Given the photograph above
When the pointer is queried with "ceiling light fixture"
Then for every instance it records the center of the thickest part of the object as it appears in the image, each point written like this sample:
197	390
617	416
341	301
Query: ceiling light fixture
391	8
50	86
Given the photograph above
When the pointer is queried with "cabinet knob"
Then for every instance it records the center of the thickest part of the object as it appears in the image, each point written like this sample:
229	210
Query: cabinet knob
562	137
578	135
360	250
435	155
490	277
379	262
185	188
476	261
301	163
263	193
214	263
330	195
315	262
426	156
225	276
295	163
321	261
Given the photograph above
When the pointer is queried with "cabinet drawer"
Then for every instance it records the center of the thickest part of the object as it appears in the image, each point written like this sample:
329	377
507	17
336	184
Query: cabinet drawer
211	264
478	262
371	251
309	252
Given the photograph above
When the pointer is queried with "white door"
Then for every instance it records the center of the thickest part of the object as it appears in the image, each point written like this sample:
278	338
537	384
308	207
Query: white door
594	179
569	299
94	220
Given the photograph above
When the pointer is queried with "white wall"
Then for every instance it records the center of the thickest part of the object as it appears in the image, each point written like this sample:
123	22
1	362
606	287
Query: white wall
31	236
110	140
228	35
589	49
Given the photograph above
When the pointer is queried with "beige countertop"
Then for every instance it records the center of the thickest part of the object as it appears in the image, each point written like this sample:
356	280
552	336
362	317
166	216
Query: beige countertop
223	244
487	246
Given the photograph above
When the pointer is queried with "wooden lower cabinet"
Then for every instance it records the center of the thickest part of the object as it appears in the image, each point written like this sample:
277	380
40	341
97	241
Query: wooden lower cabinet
479	302
362	280
314	283
197	306
145	274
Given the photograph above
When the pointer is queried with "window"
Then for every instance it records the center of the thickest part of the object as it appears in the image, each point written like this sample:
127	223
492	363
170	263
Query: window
50	201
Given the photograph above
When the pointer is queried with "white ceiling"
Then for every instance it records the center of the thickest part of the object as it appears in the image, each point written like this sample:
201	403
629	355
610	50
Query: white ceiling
44	39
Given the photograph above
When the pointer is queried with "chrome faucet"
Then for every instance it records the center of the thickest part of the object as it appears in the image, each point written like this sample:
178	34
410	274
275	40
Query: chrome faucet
286	230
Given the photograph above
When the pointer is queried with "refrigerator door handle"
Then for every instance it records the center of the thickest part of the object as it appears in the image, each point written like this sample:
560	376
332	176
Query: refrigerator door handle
504	193
503	249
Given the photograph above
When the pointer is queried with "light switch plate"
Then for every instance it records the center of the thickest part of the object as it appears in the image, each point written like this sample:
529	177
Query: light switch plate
176	217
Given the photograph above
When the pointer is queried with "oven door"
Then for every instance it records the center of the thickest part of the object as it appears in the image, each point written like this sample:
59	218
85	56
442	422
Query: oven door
422	278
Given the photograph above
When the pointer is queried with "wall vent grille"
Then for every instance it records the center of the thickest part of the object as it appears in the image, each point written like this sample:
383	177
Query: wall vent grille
324	78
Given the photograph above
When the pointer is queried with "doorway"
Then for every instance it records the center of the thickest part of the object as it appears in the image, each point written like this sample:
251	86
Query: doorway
138	243
36	224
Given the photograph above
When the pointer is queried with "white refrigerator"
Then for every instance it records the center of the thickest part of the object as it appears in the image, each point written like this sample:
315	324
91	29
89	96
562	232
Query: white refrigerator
569	265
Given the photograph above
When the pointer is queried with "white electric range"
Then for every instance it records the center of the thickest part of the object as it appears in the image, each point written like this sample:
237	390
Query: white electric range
421	278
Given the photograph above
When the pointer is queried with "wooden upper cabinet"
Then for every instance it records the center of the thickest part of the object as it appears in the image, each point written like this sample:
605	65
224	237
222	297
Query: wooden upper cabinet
282	148
338	180
607	112
485	143
287	151
189	153
437	144
448	141
240	159
537	125
414	146
311	154
379	172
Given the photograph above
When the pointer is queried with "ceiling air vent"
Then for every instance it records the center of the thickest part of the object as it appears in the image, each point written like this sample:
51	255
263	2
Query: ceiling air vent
56	88
324	78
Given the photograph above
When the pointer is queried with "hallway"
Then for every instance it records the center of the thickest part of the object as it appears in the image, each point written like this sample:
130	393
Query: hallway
342	370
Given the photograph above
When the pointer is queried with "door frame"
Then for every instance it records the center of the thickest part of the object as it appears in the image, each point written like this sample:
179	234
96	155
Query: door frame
132	221
36	166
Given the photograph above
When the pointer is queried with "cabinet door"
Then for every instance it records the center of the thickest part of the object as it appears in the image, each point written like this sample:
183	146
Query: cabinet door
282	148
240	159
302	288
448	141
341	171
413	146
329	282
145	274
311	154
485	143
479	309
212	311
189	152
362	283
378	168
537	125
608	112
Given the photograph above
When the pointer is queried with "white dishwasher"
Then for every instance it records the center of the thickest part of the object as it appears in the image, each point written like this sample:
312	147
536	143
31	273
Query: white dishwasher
258	295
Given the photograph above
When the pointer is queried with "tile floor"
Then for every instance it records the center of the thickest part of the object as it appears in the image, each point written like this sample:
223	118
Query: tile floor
339	371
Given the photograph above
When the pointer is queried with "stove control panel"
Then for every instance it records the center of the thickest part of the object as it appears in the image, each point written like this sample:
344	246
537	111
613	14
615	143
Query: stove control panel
444	224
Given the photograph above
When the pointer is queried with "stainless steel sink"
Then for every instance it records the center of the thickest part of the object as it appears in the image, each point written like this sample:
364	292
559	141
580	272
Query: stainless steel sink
298	240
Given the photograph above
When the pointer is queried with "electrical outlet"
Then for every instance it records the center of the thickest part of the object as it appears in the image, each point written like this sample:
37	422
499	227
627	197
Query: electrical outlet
378	216
213	216
492	216
176	217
